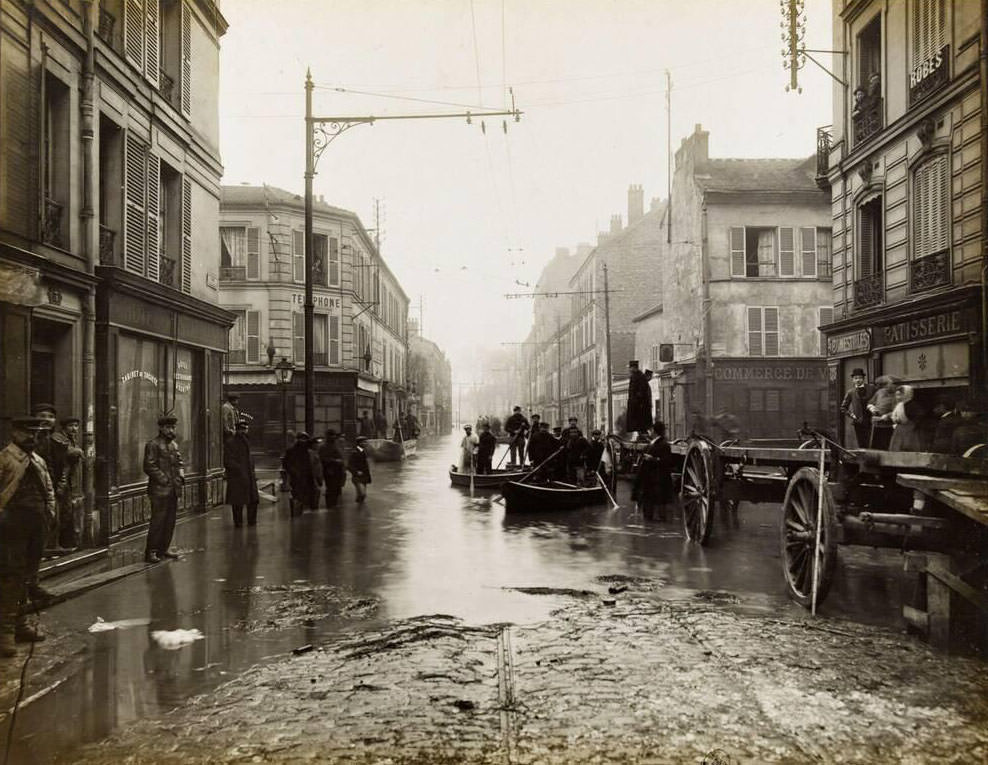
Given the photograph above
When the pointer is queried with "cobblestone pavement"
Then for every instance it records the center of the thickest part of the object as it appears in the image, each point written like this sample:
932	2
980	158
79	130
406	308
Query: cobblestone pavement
632	677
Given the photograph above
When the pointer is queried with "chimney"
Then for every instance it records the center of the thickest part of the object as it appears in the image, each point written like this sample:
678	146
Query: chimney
636	203
701	145
616	224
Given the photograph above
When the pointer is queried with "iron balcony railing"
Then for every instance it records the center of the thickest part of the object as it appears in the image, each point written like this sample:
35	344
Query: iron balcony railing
867	119
930	271
868	291
107	246
233	273
52	224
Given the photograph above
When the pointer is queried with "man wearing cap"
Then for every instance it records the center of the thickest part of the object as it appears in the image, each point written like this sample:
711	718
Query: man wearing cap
53	453
639	416
333	469
359	469
486	446
593	456
468	450
68	489
27	511
855	406
166	475
241	480
517	427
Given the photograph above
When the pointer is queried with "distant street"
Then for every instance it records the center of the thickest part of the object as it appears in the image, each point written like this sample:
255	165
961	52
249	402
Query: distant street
434	628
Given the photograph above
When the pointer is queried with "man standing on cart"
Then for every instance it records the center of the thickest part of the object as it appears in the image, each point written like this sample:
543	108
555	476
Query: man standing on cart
855	406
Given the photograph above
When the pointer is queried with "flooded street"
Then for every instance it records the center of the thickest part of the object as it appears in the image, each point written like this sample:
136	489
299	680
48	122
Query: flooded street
418	547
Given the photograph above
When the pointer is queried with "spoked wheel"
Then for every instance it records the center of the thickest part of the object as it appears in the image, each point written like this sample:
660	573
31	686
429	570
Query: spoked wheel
799	523
696	492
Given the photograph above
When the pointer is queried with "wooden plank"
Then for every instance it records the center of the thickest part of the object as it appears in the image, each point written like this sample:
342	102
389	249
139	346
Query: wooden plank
974	507
938	602
939	571
971	487
922	462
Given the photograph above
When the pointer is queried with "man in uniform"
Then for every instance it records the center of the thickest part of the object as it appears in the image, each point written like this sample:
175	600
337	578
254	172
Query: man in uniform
164	468
27	512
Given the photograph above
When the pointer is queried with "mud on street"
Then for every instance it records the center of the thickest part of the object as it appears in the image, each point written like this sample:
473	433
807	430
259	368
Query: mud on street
638	675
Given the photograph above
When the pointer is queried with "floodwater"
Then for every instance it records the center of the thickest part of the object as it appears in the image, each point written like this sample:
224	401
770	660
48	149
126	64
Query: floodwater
417	547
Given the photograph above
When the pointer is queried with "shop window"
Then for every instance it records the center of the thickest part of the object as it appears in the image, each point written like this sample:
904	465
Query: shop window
772	401
55	177
240	253
756	400
753	251
763	331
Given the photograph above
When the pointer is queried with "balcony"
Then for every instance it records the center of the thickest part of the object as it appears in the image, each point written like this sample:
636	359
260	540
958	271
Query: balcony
930	271
867	117
168	271
868	292
107	246
233	273
823	142
52	226
166	86
107	21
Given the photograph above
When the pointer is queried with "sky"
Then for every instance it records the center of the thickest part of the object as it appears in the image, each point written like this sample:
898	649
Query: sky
469	212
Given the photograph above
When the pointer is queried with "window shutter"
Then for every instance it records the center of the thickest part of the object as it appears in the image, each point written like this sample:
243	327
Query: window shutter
334	262
941	204
737	251
298	337
253	253
186	54
826	317
135	181
334	340
134	33
186	235
755	331
808	251
298	255
787	254
153	219
253	337
866	243
152	39
771	323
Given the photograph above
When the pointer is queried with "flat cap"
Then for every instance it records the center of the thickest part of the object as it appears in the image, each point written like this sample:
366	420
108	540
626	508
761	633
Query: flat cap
167	419
28	423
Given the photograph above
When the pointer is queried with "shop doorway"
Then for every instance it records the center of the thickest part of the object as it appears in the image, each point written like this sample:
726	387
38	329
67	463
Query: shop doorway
52	365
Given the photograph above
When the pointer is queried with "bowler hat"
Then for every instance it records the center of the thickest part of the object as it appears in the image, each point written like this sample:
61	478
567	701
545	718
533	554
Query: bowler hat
27	423
858	372
167	419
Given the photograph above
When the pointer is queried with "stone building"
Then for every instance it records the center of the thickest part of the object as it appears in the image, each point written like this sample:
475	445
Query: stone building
907	172
742	286
360	312
431	381
109	202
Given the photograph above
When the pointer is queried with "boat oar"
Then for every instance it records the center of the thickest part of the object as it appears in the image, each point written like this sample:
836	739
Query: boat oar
607	491
498	466
498	497
472	471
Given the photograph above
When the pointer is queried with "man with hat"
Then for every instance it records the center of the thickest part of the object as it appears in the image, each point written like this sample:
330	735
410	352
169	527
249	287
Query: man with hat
241	480
594	456
359	469
333	470
302	467
855	406
53	453
639	416
468	450
27	511
68	489
517	427
166	476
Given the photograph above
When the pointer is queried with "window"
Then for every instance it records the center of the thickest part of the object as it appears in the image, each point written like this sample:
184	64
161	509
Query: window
319	328
240	252
142	39
870	57
175	50
334	262
826	316
172	231
753	251
320	258
298	256
930	203
808	252
763	331
56	161
111	141
870	249
823	251
334	340
298	338
245	341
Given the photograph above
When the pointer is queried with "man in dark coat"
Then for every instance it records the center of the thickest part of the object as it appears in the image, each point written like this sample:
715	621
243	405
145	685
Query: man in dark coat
855	406
298	464
333	470
241	481
639	416
653	489
53	452
576	449
517	427
166	476
593	456
68	491
359	469
485	451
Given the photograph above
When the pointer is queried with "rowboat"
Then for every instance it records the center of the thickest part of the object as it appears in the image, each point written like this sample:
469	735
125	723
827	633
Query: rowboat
386	450
556	495
485	481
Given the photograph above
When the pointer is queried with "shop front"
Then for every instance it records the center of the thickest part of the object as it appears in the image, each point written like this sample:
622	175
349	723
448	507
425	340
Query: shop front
157	351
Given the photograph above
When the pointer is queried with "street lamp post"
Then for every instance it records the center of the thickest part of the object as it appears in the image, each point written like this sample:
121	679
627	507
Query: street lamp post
283	371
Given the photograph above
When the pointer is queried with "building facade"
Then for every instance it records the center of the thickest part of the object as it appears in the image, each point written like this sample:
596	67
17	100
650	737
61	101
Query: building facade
360	342
109	201
744	288
907	171
431	381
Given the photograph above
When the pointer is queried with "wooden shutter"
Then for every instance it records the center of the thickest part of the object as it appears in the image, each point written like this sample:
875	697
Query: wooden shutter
826	317
134	33
736	236
866	242
186	235
298	337
808	251
186	56
770	322
755	332
939	203
334	340
19	128
253	337
135	182
787	251
298	256
253	253
334	262
152	40
153	217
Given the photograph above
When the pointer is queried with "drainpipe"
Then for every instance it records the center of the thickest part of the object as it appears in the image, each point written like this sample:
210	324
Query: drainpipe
983	60
708	380
90	250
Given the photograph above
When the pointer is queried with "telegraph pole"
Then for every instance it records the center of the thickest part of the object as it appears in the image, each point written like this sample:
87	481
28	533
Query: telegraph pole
607	331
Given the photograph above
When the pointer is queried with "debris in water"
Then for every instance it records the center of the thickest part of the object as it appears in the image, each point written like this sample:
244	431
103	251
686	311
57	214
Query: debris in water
609	601
614	589
120	624
303	649
464	705
172	640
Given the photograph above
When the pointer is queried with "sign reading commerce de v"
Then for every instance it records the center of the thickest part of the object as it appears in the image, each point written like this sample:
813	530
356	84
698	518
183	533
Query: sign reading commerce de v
782	372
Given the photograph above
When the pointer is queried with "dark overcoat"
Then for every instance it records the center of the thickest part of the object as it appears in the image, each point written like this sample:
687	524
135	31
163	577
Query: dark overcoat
639	416
241	481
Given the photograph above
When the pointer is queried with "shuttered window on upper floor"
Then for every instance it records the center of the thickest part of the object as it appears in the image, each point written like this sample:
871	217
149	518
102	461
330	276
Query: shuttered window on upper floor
931	206
763	331
157	41
929	29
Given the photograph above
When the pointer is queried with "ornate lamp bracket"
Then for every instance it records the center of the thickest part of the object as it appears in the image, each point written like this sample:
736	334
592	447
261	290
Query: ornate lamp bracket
324	131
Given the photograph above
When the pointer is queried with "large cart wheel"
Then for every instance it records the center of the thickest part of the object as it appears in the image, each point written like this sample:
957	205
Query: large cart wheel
799	523
696	492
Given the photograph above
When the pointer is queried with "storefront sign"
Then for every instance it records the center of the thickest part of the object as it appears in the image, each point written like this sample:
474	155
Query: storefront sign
20	285
944	324
781	373
849	343
929	75
318	301
138	374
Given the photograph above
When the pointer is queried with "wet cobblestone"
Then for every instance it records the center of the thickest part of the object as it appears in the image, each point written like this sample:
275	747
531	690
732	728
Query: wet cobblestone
645	680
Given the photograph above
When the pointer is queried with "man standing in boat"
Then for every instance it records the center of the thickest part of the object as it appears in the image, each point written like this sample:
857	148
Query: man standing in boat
517	427
485	450
468	450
